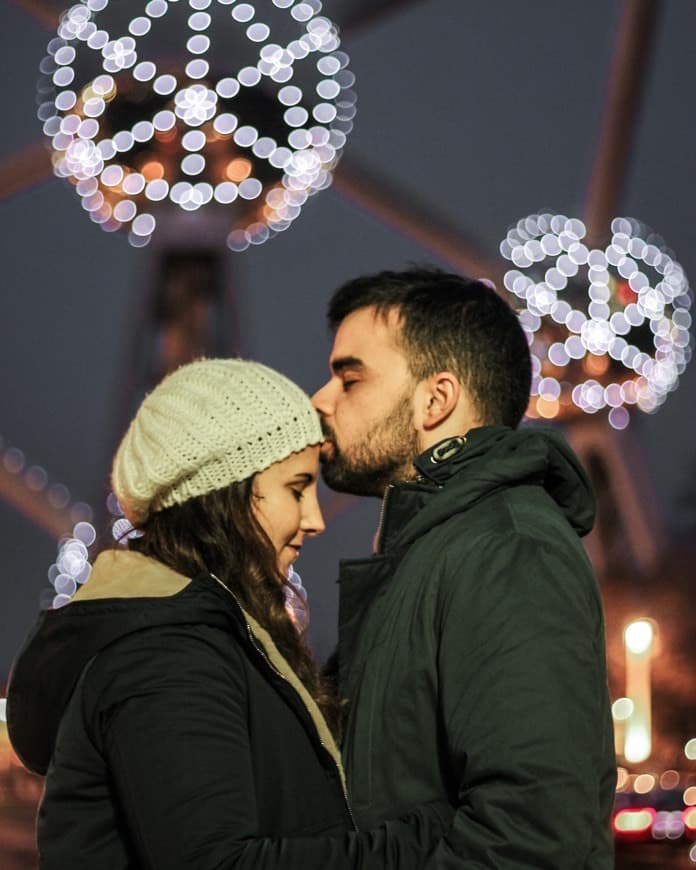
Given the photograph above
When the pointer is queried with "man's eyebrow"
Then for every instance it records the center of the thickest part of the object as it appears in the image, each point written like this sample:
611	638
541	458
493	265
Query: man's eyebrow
342	363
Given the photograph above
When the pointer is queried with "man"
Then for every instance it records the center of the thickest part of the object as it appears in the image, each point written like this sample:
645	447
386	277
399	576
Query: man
471	645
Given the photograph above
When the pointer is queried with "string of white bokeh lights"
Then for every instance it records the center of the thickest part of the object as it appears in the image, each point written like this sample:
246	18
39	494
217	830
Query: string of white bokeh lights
72	566
608	328
198	109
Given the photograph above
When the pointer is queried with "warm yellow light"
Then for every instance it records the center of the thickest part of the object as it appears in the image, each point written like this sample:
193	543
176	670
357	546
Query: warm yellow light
595	365
152	170
690	749
238	169
638	640
622	778
638	745
547	408
644	783
689	796
88	93
639	636
621	709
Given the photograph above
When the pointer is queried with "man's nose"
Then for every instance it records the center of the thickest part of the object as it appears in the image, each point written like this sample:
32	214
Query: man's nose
322	400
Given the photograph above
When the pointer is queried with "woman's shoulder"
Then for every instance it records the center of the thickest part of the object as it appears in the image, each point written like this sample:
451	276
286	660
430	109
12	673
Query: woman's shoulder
165	660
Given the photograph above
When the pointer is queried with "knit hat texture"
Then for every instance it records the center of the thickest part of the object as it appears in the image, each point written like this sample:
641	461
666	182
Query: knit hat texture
210	423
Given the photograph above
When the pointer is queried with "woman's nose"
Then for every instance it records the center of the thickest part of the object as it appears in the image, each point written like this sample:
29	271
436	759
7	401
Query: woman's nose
312	520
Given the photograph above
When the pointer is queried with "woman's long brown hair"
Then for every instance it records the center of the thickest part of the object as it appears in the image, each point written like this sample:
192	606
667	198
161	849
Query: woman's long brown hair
219	534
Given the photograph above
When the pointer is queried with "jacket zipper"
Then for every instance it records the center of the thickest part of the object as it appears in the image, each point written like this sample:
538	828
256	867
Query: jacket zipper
285	680
382	513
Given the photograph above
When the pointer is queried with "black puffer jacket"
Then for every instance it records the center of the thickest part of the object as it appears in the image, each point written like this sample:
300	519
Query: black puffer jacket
174	735
472	651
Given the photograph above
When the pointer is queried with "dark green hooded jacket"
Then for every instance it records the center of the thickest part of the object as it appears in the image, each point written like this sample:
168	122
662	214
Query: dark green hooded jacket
472	651
174	736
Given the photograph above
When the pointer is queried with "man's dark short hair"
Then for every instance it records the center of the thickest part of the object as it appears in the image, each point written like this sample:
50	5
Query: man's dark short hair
451	323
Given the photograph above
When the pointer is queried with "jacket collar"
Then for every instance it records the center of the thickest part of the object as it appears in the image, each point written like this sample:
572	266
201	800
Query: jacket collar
122	574
435	466
459	472
449	456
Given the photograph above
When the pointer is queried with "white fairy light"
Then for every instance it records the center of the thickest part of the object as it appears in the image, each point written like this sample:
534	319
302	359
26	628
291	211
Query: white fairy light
72	566
225	123
195	104
198	44
130	167
157	190
609	293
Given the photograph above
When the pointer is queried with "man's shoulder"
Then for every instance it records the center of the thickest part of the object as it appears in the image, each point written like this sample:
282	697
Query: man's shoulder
509	512
510	527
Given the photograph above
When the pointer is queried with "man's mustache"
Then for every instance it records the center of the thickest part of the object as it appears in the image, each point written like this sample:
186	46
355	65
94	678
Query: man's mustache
327	431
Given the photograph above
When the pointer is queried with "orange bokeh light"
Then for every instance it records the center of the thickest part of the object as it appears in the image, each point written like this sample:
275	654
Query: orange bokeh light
595	365
152	170
238	169
547	408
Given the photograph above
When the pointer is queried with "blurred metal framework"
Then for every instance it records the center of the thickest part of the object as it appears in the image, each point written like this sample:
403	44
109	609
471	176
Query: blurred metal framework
377	196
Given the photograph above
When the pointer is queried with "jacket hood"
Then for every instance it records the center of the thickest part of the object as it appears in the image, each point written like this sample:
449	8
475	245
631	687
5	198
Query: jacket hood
460	472
126	592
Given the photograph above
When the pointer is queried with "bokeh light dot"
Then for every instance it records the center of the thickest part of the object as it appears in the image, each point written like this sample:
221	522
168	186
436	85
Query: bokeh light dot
227	87
165	85
125	211
197	69
198	44
644	783
243	12
140	26
157	190
144	225
225	123
258	32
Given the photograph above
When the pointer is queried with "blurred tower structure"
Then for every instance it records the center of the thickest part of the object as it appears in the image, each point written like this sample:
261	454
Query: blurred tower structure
187	305
630	531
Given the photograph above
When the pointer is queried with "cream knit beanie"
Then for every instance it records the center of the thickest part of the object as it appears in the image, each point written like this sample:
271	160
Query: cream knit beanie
208	424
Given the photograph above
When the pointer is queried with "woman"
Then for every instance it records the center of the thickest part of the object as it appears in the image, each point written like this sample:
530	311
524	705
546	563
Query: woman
173	706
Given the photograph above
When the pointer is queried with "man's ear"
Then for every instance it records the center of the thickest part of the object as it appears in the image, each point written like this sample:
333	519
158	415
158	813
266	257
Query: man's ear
436	399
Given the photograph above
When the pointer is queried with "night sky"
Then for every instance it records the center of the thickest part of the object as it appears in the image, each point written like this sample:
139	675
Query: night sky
483	112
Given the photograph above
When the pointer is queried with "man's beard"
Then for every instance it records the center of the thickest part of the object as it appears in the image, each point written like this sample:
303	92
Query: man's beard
385	454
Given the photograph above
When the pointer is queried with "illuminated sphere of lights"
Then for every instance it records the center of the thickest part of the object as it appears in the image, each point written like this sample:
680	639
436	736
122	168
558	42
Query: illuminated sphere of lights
608	327
147	104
